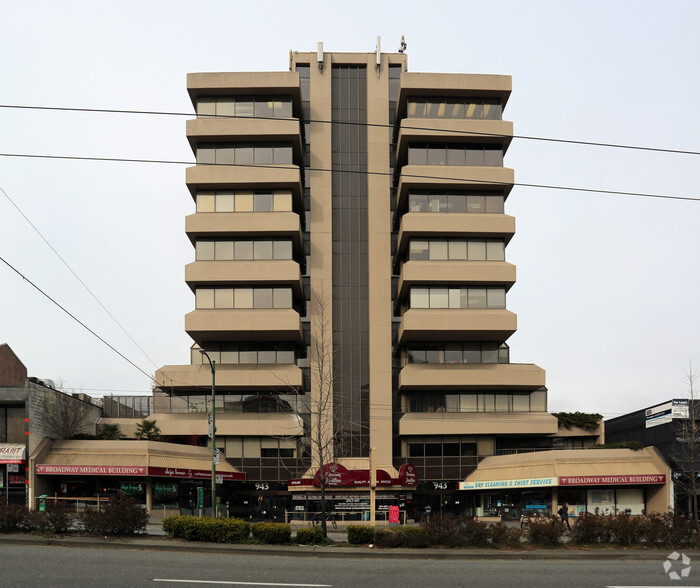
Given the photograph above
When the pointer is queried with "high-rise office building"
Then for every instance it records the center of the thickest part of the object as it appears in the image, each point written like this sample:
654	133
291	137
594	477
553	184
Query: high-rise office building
350	202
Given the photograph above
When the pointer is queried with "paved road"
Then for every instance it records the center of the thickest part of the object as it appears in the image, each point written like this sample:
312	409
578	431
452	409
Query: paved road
32	566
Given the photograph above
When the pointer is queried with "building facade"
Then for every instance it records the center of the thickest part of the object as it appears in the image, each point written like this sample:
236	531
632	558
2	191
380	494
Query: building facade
349	238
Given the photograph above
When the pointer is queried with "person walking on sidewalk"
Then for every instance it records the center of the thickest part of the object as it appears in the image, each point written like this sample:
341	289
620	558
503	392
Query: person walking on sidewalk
563	512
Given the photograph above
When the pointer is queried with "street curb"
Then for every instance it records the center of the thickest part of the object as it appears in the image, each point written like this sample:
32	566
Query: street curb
177	545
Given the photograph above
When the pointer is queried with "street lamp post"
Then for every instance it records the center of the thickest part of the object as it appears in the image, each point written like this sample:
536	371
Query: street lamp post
213	430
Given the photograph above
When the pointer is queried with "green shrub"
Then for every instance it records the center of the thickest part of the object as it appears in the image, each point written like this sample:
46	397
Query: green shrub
681	531
206	529
120	516
401	537
310	536
546	532
589	528
625	529
501	535
360	535
13	518
450	531
272	533
58	518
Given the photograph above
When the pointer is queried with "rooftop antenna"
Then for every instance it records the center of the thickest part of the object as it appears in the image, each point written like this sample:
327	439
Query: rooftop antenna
379	54
319	55
403	46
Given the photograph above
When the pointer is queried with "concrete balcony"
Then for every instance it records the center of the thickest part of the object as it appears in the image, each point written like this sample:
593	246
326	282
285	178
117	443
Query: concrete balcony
265	324
281	378
244	129
478	423
446	130
221	177
245	224
264	273
463	273
423	225
418	324
453	177
479	377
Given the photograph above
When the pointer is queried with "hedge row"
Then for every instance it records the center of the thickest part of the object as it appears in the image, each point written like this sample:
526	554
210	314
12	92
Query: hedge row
121	516
214	530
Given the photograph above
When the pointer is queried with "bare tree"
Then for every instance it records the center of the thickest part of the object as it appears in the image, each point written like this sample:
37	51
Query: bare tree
688	438
64	415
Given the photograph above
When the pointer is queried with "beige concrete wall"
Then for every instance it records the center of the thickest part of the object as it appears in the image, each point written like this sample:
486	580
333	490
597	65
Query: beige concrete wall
506	376
239	225
245	129
491	273
253	273
491	423
212	177
459	324
260	378
269	324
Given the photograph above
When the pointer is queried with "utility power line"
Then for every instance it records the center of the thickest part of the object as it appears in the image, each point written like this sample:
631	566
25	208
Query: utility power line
404	127
261	166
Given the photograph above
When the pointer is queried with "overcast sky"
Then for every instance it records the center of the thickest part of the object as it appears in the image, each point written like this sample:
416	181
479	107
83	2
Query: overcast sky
607	295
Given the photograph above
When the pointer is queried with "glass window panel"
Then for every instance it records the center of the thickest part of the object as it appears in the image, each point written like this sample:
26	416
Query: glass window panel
496	298
456	155
262	249
457	203
416	155
283	108
282	201
494	204
204	298
225	107
262	298
223	297
503	402
475	156
244	155
473	110
538	401
285	357
205	250
418	250
453	298
453	353
477	298
282	249
416	450
467	402
464	297
452	402
262	202
492	109
441	200
206	106
248	356
229	356
431	108
493	157
489	352
205	201
224	202
457	249
503	354
243	250
223	250
438	298
495	250
263	154
450	449
243	298
206	155
468	449
245	107
264	108
438	250
435	355
486	402
225	155
244	202
472	352
521	402
455	108
416	356
476	203
433	449
266	356
476	250
282	297
420	297
417	203
437	155
283	154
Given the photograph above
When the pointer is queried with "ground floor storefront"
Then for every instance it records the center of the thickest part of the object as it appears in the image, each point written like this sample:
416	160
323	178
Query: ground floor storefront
13	473
605	481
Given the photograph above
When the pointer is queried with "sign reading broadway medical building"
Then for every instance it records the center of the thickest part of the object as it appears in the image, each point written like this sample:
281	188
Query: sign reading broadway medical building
611	480
84	470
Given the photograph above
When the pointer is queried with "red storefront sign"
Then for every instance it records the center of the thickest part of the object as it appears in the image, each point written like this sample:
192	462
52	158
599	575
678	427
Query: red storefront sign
81	470
407	475
339	475
611	480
